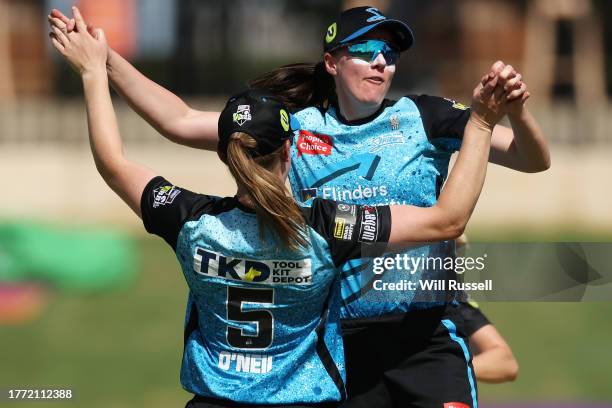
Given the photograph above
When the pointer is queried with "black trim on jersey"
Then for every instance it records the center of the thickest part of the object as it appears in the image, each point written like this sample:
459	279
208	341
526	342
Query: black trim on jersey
441	118
165	208
324	354
351	231
385	104
470	319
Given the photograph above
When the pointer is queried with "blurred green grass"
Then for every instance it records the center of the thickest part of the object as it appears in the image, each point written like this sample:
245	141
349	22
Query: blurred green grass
123	349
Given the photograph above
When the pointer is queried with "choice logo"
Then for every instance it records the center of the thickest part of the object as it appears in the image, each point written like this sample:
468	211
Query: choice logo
314	143
331	33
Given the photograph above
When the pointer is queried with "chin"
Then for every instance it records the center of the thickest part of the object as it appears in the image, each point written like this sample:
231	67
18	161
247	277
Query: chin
373	98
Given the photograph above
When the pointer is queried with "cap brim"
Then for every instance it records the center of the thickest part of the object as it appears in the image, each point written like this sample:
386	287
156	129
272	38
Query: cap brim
403	33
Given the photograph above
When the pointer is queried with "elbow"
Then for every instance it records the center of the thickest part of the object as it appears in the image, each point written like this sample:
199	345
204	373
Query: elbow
512	371
538	165
454	228
108	170
543	165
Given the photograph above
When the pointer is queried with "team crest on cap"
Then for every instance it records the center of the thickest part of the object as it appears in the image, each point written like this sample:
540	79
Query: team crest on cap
242	115
332	30
284	119
376	15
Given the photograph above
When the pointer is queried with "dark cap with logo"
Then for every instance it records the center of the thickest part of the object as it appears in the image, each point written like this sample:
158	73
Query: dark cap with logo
259	115
355	22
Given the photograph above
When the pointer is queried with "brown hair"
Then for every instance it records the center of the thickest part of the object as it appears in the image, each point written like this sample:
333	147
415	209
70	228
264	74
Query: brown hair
275	208
299	85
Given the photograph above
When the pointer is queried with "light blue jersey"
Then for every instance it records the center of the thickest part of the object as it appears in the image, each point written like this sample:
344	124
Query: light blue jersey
262	324
400	155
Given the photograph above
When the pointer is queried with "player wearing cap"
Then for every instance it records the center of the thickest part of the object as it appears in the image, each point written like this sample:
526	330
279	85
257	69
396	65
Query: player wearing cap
356	146
262	318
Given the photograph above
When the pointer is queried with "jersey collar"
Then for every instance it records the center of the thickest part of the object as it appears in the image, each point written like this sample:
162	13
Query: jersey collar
385	103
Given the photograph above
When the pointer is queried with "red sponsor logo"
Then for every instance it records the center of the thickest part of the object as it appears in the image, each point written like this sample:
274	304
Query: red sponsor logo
455	405
314	143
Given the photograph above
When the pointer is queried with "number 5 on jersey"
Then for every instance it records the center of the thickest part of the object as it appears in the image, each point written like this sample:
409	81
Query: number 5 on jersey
263	319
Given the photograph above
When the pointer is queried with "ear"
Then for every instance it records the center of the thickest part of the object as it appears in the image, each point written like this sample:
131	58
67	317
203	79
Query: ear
331	65
286	152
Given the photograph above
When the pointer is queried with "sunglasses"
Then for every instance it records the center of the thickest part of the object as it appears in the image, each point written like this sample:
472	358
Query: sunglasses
368	51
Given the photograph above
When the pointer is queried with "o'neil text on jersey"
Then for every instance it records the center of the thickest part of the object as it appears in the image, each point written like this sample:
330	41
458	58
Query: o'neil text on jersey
295	272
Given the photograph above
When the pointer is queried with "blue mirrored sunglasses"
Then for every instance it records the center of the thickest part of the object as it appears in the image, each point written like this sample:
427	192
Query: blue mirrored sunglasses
368	51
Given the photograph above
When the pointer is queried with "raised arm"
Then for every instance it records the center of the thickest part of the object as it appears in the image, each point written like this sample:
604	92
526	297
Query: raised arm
162	109
87	54
448	218
524	146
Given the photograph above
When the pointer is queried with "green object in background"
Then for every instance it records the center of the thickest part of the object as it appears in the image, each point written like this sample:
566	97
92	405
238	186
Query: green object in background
68	258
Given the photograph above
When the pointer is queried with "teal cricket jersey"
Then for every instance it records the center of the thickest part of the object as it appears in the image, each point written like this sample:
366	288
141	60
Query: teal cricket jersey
399	155
262	322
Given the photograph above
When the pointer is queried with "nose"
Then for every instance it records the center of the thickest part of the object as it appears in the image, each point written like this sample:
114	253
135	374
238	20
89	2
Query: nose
379	61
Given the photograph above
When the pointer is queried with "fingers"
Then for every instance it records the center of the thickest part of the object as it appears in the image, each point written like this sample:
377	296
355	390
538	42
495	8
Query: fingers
59	15
488	88
58	46
517	92
497	67
513	83
80	23
99	35
56	22
60	36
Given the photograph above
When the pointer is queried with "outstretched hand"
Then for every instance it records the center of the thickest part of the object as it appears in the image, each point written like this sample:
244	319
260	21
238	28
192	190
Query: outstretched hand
85	51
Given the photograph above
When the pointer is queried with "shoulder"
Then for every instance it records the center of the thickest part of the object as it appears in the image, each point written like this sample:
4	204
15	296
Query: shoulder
310	113
166	208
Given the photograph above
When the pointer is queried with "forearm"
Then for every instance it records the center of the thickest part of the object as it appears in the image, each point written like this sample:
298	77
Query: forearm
495	365
464	185
529	143
104	134
162	109
155	104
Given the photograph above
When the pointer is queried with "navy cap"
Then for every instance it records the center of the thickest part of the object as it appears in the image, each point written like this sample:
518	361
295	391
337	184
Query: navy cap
355	22
259	115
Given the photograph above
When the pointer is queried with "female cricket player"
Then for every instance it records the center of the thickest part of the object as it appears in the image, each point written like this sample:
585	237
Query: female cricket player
362	148
230	256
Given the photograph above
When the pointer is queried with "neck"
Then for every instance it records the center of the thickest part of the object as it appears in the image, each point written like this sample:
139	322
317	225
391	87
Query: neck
243	196
353	110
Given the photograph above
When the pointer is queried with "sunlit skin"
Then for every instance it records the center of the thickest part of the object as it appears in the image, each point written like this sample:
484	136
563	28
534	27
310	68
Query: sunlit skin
361	87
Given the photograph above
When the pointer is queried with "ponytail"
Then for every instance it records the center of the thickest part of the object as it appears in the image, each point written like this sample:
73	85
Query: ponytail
275	209
299	86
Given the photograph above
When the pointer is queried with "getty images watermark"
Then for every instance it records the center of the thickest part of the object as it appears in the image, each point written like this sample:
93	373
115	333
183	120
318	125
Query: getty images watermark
495	271
414	265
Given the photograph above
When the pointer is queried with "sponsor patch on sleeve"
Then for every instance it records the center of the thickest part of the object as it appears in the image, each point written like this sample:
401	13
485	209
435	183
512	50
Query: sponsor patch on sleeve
368	231
164	195
457	105
344	224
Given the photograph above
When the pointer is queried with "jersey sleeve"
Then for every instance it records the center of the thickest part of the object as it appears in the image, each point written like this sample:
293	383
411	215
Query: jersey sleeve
165	208
352	231
444	120
472	317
